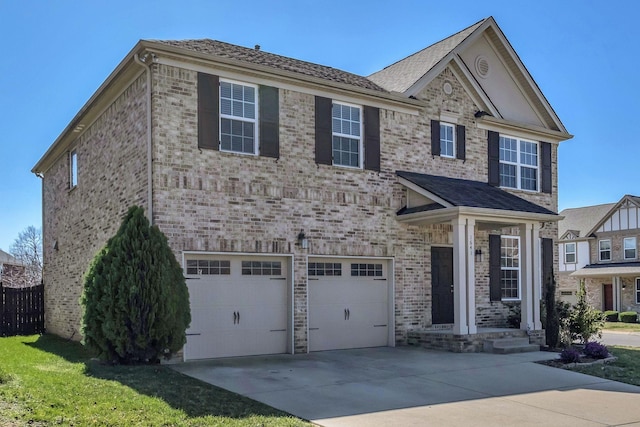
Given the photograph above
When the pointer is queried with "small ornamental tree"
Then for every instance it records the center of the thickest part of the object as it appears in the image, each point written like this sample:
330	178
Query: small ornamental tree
584	320
135	299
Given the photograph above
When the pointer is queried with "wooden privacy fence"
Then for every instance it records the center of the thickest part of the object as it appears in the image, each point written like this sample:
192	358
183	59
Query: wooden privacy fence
21	310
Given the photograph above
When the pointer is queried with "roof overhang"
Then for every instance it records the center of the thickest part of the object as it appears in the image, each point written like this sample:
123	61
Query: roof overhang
608	271
537	133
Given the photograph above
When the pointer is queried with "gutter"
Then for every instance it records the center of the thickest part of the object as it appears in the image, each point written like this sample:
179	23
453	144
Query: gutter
144	62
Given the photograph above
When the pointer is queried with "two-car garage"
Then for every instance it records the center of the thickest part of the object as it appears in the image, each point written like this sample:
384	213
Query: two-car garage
243	304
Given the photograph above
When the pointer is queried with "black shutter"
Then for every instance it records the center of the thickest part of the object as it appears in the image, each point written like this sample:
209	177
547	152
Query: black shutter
494	158
372	138
269	105
435	138
460	142
547	264
324	145
495	285
208	111
545	149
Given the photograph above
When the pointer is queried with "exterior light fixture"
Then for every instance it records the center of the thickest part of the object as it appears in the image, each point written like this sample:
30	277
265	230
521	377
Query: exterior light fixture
303	242
478	255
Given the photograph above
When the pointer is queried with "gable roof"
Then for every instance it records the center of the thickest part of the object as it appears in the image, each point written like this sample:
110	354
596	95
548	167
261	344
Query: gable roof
411	74
466	193
582	220
258	57
403	74
626	199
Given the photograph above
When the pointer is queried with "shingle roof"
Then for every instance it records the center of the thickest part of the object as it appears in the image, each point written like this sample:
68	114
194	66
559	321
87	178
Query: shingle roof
259	57
400	76
463	192
582	219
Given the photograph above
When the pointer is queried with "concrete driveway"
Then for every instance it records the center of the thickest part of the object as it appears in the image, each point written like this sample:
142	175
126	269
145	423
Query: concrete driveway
412	386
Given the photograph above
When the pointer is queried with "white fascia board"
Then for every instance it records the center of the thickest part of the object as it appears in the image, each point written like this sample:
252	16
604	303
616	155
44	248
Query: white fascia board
536	133
479	214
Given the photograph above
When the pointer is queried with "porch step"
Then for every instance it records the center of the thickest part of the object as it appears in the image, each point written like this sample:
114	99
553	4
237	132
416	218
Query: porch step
509	345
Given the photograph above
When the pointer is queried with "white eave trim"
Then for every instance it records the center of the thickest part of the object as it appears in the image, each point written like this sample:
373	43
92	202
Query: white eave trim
536	133
480	214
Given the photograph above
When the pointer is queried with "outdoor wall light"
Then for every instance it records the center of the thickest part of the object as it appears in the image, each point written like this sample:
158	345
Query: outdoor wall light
478	255
303	242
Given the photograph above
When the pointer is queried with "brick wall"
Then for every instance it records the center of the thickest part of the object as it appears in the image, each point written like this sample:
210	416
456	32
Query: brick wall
111	177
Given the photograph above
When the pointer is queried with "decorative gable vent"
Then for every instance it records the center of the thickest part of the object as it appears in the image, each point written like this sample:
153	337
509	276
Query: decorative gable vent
482	66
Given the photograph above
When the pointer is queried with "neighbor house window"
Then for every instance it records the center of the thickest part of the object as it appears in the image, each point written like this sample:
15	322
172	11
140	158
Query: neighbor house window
629	248
238	117
637	290
447	140
510	267
569	253
347	135
604	249
73	169
518	163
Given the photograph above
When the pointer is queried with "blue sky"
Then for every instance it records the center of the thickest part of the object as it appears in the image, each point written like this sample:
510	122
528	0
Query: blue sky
583	55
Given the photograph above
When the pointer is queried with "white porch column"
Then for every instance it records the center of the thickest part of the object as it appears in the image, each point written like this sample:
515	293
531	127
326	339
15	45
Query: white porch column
530	276
617	293
460	262
471	276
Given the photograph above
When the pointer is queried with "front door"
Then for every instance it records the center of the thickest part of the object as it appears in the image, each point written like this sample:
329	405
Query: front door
607	297
441	285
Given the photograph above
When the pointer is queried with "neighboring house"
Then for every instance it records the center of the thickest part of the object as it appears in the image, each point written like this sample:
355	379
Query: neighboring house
599	244
12	270
311	208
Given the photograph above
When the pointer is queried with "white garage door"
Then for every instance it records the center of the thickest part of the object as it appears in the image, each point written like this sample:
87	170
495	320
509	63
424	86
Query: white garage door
348	303
238	306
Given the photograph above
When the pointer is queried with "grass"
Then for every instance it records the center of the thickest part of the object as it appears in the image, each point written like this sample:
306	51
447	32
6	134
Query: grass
45	380
620	326
626	369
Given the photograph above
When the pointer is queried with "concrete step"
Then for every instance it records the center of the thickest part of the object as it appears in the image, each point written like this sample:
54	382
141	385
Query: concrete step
509	345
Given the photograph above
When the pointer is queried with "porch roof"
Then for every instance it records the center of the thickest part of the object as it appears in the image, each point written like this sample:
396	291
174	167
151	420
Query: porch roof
608	270
443	198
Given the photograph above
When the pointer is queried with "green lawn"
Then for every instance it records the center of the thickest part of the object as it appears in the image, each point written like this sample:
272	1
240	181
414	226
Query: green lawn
45	380
619	326
626	369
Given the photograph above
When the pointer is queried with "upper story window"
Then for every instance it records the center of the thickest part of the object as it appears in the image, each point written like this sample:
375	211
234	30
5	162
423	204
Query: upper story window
346	123
604	250
510	267
447	140
569	253
518	163
73	169
238	117
629	248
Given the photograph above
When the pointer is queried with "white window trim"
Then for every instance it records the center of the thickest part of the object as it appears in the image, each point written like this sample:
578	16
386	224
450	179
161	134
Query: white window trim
255	121
454	142
519	165
73	169
574	253
360	138
637	290
517	238
624	249
600	249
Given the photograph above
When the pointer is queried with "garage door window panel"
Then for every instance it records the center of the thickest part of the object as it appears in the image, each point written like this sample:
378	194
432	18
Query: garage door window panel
261	268
208	267
368	270
324	269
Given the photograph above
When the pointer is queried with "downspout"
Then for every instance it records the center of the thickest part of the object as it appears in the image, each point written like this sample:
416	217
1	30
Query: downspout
144	62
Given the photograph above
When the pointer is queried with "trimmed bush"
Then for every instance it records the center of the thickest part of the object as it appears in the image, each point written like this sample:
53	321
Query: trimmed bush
570	355
611	315
595	350
629	317
135	299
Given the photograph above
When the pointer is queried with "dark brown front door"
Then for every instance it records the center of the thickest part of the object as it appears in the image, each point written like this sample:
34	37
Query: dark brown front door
441	285
607	293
